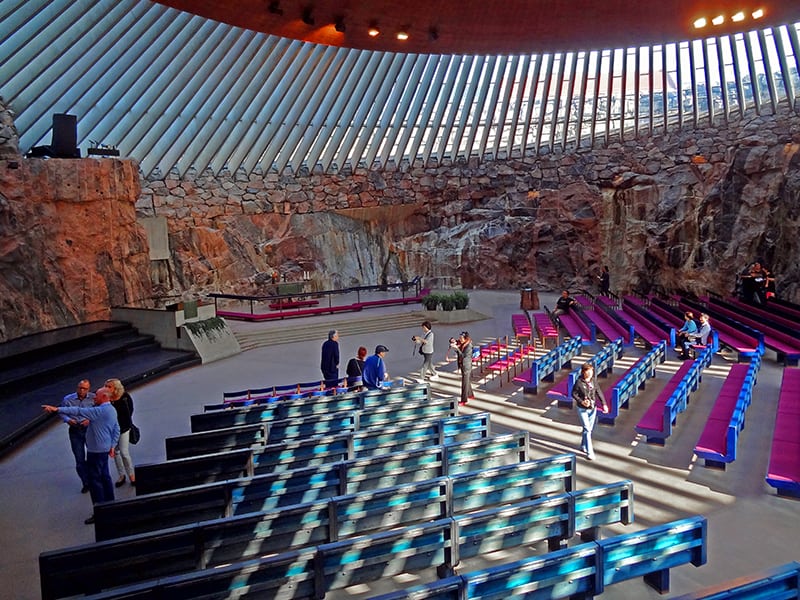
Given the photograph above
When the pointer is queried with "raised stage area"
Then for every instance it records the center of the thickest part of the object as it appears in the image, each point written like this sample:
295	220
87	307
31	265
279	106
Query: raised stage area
41	368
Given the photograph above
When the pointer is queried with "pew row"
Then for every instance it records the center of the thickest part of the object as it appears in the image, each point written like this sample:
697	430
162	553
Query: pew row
274	490
267	432
298	405
784	463
298	453
776	583
603	362
719	441
578	572
657	421
545	367
634	379
92	567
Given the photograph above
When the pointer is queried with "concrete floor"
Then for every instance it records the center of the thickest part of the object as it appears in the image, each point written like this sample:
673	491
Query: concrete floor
750	528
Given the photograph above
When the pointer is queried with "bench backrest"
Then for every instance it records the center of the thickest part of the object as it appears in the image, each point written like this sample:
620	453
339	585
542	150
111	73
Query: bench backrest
262	433
776	582
219	541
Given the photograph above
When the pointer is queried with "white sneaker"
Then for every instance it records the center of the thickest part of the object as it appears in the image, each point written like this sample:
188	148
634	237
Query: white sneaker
590	456
435	377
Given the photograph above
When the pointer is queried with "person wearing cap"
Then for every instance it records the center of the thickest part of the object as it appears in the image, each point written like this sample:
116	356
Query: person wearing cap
374	372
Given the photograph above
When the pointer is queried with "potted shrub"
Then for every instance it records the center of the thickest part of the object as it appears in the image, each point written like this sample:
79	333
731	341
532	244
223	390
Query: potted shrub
431	301
447	302
461	300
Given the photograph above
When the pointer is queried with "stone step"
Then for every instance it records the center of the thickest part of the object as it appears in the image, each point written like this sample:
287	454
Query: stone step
308	332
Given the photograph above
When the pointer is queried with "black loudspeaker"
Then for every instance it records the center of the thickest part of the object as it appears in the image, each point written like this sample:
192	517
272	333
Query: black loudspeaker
65	136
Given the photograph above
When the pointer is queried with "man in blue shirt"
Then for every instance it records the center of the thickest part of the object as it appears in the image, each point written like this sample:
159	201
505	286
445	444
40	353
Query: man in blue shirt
102	436
374	372
83	398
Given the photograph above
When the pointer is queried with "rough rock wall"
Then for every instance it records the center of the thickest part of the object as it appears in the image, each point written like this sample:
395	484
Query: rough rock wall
683	210
70	246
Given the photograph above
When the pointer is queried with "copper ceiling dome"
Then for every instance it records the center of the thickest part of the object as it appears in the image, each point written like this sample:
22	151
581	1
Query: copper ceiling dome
491	26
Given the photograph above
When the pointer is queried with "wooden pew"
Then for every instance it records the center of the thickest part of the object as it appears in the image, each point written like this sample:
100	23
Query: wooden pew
720	438
631	382
217	542
775	583
263	492
266	432
303	405
603	362
657	421
784	463
579	572
299	453
545	367
652	552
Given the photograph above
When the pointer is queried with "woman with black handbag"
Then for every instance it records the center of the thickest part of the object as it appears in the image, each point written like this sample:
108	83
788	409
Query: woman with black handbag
123	403
588	398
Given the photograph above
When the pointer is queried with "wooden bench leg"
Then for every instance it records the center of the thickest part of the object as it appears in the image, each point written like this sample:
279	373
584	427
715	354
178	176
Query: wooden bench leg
659	581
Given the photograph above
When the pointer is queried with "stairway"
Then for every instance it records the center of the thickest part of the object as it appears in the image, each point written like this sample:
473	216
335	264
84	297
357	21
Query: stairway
310	332
41	368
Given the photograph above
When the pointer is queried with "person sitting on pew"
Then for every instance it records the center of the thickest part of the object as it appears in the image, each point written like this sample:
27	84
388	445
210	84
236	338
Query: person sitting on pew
564	304
700	337
689	328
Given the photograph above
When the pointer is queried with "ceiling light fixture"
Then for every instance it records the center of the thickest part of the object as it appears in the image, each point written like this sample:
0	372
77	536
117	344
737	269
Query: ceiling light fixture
373	30
339	25
718	20
700	23
739	16
757	14
275	7
402	35
307	15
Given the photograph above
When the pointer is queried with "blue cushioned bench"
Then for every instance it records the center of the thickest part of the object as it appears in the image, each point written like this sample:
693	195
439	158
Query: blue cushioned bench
579	572
744	340
545	367
784	462
649	326
611	325
776	583
783	340
578	324
216	542
657	421
436	545
603	362
298	399
719	441
634	379
299	453
273	490
270	431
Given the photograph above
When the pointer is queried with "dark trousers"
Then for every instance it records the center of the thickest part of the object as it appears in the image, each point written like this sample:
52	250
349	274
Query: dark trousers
77	441
101	487
331	378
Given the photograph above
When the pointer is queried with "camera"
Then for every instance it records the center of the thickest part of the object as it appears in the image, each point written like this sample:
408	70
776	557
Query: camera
414	339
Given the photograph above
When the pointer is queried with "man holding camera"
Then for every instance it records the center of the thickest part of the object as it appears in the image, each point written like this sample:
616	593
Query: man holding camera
425	343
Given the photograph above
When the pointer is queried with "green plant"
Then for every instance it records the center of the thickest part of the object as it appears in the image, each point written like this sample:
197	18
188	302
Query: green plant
461	300
431	301
447	302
